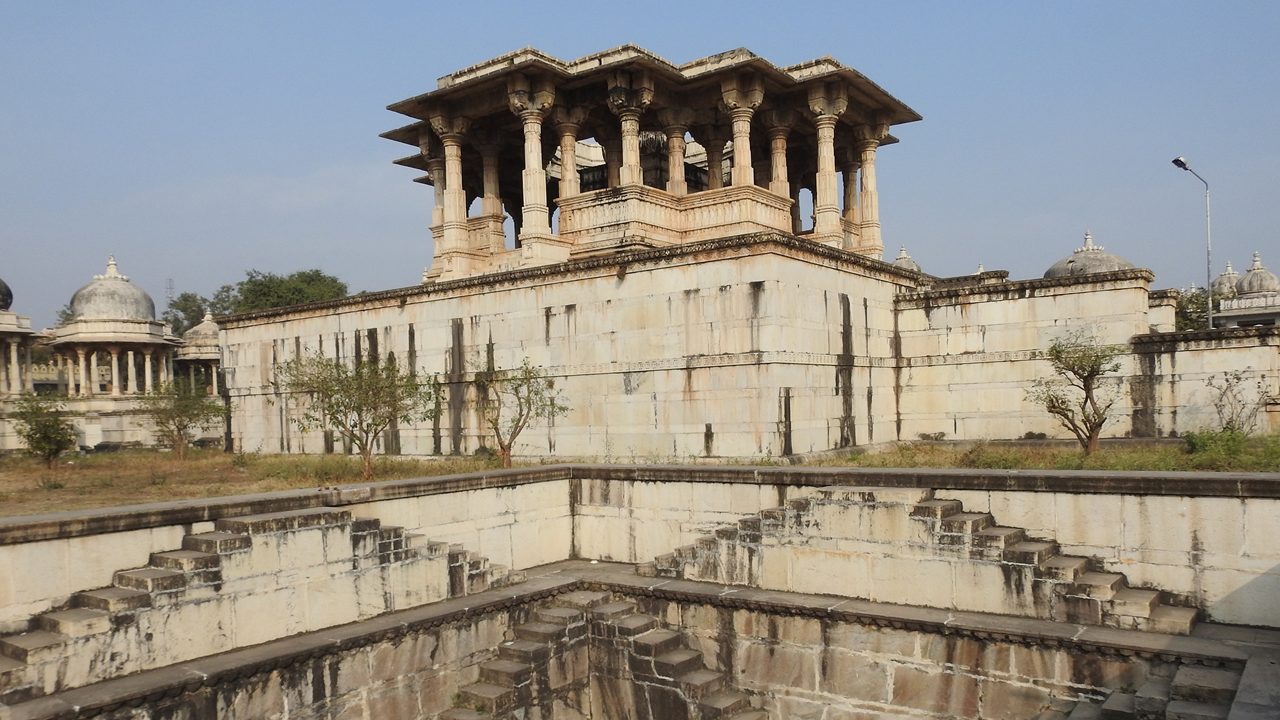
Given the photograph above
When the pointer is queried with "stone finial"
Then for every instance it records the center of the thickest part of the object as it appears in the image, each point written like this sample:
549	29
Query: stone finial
1257	261
208	316
112	272
1088	244
980	270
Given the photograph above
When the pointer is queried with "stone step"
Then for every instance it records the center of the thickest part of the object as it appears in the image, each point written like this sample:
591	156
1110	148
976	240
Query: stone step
700	682
11	672
1031	552
1172	620
463	714
999	537
558	615
633	625
284	521
1134	602
750	715
656	642
647	569
1118	705
539	632
1196	683
217	542
152	580
486	697
1085	711
1188	710
112	599
33	647
966	523
1101	585
186	560
722	704
1067	568
506	673
936	509
526	651
675	663
583	599
1051	714
613	610
76	622
1152	696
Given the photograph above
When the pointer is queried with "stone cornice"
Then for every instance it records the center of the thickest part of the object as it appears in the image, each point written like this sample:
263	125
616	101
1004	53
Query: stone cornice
1167	341
655	256
1021	288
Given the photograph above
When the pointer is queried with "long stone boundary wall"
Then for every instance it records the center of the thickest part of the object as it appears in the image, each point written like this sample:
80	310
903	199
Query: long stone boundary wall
1201	537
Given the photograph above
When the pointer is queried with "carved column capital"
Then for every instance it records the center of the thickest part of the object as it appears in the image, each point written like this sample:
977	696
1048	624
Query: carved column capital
675	117
527	96
568	120
744	91
630	92
450	128
828	99
871	135
778	120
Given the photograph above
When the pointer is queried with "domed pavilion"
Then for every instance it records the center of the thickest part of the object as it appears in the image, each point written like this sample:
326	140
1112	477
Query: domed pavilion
199	355
1255	299
113	344
15	347
1088	259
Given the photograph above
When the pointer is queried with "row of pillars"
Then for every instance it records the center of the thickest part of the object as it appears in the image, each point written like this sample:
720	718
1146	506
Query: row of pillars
78	371
533	102
15	367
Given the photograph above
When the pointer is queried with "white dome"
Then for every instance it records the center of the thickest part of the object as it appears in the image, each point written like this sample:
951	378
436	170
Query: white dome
1258	280
1225	284
203	330
1088	260
905	261
110	296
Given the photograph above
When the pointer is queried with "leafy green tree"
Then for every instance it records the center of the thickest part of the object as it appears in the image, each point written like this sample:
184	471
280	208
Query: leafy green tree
1190	313
263	291
177	411
358	402
65	315
184	312
43	427
1080	395
513	399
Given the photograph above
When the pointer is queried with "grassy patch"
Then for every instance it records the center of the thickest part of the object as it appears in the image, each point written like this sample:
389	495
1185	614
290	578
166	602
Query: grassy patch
1257	454
142	476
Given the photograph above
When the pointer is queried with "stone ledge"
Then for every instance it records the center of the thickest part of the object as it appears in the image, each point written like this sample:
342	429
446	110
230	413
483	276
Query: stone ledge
80	523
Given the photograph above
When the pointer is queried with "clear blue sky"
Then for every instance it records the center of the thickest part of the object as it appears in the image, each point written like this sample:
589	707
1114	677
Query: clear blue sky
197	140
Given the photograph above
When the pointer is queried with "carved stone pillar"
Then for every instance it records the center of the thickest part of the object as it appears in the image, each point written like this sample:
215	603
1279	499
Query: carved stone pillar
131	375
568	123
94	387
848	161
432	151
15	373
712	139
115	370
741	95
779	124
629	94
827	103
869	137
84	372
611	142
213	376
28	372
146	371
531	100
675	123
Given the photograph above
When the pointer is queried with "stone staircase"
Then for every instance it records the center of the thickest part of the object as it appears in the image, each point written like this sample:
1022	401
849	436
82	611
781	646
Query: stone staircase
1194	692
199	599
885	544
550	651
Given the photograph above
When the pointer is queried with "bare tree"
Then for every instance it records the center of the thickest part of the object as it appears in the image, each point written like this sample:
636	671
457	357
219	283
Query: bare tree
1080	395
1237	400
513	399
360	402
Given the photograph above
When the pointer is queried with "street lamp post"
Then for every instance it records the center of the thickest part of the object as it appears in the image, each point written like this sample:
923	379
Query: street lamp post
1208	240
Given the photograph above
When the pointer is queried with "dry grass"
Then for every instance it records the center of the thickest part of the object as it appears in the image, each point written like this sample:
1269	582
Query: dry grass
142	476
1259	454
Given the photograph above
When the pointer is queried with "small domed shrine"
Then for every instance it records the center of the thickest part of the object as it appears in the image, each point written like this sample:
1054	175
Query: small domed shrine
1089	259
199	355
1224	286
15	346
113	324
1255	300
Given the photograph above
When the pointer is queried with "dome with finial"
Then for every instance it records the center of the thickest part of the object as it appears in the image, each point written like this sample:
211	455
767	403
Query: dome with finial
1224	286
905	261
6	296
111	296
1087	260
1258	280
203	330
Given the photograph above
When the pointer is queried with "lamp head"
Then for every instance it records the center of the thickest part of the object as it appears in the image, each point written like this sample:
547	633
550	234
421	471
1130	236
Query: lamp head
1181	162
